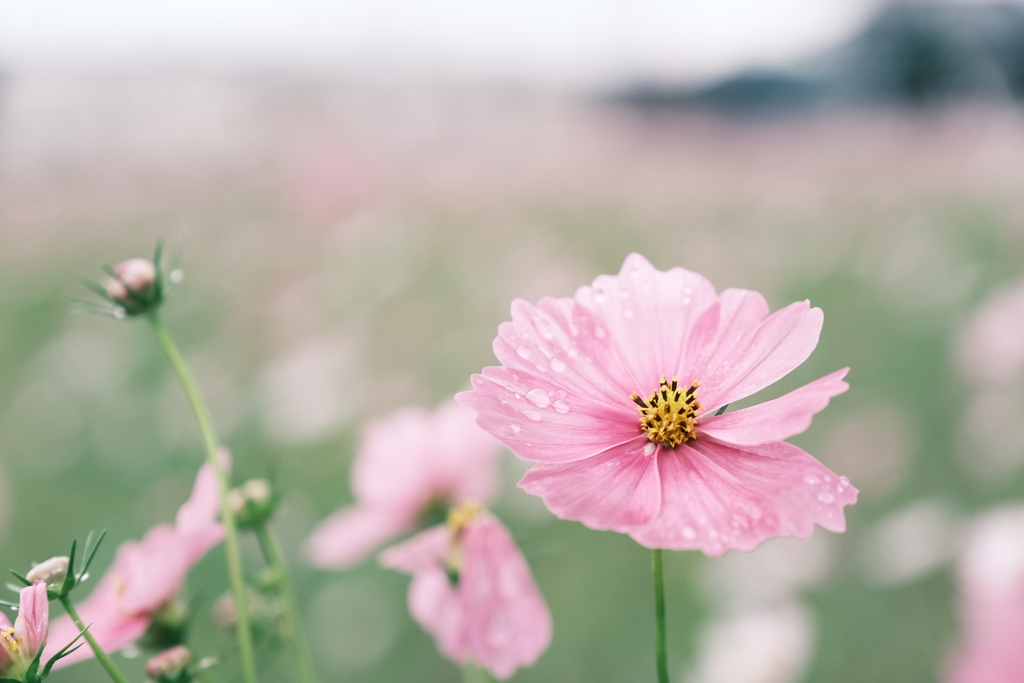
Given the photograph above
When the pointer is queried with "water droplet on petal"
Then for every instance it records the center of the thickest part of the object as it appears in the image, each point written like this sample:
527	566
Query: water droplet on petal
515	428
844	482
523	352
811	480
826	497
538	397
688	533
176	276
518	396
828	479
649	448
477	380
532	414
120	313
561	406
557	364
541	367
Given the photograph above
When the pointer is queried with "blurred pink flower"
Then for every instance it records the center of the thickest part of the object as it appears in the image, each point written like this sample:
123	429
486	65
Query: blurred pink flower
146	575
20	643
407	461
990	575
473	591
575	372
991	347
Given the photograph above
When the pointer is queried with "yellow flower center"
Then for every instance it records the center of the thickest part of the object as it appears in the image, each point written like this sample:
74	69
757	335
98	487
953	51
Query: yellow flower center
669	415
462	514
11	642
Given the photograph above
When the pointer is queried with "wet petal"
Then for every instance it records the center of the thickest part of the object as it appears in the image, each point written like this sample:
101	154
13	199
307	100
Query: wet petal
778	419
617	489
717	497
744	361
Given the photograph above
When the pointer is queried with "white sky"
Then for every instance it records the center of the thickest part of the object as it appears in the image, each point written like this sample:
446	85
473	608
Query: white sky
550	42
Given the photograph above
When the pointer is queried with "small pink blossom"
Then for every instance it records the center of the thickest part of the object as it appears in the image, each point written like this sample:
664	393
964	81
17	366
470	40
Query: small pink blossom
407	461
473	591
146	575
614	394
20	643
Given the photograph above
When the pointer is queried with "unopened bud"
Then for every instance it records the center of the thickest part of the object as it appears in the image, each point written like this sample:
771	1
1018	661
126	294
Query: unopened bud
134	275
52	571
252	503
170	666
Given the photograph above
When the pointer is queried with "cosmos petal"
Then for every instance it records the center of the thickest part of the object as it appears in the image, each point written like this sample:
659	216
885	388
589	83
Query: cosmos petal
716	497
507	622
351	534
617	489
778	419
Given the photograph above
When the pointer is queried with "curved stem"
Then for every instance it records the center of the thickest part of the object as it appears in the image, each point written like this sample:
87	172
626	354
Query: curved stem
660	648
292	619
234	559
102	657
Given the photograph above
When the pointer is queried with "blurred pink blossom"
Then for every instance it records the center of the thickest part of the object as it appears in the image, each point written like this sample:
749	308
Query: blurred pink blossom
473	591
991	348
576	370
990	574
20	643
146	575
407	461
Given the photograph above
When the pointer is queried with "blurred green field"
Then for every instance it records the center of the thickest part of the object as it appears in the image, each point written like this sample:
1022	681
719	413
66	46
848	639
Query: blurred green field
321	292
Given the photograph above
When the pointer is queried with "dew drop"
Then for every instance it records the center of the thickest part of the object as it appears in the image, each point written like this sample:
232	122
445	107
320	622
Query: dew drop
689	533
561	393
523	352
828	479
649	448
541	367
557	364
176	276
538	397
599	295
844	482
532	414
518	396
826	497
573	351
477	380
686	301
120	313
811	480
560	406
515	428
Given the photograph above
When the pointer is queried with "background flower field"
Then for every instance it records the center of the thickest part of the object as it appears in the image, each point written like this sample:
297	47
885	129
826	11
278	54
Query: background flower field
351	249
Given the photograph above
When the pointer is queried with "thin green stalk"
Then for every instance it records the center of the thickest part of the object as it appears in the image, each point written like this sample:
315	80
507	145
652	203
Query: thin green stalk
102	657
660	648
471	673
234	558
294	629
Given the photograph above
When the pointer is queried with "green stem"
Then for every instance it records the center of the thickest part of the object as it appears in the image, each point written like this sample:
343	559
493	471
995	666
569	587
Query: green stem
660	648
102	657
294	629
471	673
234	558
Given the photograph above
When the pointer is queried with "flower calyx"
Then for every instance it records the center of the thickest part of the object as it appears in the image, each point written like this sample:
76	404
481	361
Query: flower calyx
59	573
253	503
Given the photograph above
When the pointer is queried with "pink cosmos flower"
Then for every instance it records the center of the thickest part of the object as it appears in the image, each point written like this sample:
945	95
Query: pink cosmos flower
20	643
614	393
146	575
406	462
473	591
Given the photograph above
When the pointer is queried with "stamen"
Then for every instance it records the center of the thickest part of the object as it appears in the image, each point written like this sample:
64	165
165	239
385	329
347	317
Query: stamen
462	514
669	416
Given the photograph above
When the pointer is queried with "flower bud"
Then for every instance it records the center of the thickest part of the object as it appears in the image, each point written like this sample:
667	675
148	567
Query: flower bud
170	666
52	572
135	286
252	503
